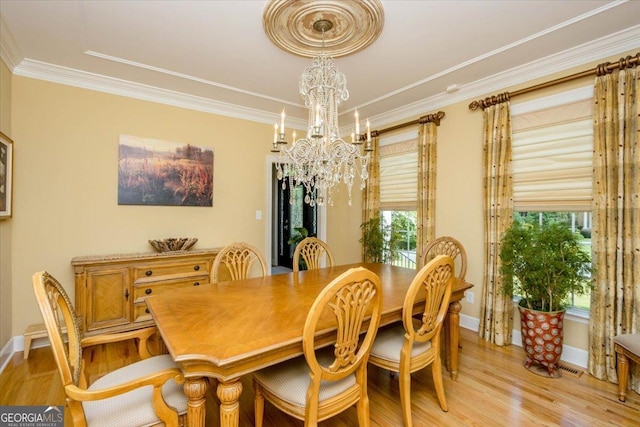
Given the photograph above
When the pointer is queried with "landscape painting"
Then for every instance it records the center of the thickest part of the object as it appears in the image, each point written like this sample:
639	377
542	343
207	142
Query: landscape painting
163	173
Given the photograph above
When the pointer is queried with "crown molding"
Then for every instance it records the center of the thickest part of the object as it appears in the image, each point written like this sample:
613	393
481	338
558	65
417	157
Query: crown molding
82	79
9	51
597	50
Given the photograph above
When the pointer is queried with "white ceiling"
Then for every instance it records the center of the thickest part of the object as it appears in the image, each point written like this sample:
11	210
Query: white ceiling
214	55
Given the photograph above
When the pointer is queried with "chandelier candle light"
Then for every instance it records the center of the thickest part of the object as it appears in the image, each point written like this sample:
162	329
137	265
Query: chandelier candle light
322	159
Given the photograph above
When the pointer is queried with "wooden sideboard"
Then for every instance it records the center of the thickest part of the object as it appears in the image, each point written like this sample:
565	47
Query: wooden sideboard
111	289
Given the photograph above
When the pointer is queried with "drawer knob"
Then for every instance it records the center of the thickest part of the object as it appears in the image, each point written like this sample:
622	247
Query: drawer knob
196	268
148	272
146	310
148	291
196	284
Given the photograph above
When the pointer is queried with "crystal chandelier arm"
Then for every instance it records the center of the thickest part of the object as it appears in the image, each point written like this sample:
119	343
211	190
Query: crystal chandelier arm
322	160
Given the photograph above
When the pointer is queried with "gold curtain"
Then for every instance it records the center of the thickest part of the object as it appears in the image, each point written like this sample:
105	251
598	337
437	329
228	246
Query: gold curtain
426	214
371	192
496	310
615	299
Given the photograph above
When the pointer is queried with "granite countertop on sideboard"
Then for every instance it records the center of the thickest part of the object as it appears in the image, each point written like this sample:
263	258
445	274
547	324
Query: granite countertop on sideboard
96	259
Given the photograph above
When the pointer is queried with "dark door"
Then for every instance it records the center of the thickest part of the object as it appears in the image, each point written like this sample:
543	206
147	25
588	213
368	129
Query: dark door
292	213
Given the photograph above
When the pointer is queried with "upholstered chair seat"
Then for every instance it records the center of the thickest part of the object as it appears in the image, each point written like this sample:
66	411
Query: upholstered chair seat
141	394
414	343
290	381
133	408
389	342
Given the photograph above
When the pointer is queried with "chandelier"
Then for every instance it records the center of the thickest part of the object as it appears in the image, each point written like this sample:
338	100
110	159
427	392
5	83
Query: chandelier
322	160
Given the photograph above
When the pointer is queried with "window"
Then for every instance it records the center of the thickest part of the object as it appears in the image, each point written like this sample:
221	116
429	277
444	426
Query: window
552	163
403	236
398	194
578	222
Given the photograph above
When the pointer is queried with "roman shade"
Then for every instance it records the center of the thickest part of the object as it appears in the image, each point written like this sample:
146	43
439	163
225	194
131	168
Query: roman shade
553	152
399	176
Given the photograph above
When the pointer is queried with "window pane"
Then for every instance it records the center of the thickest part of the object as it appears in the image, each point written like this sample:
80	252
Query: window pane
578	222
403	226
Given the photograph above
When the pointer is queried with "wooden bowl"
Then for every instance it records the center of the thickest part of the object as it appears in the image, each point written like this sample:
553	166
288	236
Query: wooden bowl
173	244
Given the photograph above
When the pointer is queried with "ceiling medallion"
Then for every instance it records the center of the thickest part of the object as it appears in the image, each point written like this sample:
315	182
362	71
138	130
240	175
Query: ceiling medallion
289	24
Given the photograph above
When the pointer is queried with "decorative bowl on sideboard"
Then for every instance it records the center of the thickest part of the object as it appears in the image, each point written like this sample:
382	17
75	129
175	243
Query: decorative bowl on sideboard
173	244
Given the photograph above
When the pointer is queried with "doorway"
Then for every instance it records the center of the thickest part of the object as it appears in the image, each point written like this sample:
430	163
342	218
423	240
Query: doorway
292	219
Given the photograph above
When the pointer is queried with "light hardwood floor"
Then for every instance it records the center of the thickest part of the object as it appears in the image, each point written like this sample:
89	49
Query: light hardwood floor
493	389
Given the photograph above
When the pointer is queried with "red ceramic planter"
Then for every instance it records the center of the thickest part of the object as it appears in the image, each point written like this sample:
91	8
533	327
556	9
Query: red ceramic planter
542	338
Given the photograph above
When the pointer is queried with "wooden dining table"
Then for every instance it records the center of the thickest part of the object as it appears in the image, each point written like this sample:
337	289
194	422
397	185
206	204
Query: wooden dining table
229	329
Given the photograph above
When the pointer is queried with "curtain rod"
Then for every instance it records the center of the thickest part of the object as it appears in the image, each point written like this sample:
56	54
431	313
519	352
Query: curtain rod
600	70
435	118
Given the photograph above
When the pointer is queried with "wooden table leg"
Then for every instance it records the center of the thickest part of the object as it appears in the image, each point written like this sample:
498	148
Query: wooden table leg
194	389
623	375
229	394
452	338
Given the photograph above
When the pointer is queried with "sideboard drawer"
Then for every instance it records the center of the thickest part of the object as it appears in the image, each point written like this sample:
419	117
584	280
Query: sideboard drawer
147	289
155	270
141	312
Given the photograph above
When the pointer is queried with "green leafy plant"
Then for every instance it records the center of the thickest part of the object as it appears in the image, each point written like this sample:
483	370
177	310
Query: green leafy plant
379	240
298	235
405	224
544	265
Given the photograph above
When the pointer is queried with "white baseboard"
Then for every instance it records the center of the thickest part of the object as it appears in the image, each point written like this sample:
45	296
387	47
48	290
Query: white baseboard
572	355
7	352
468	322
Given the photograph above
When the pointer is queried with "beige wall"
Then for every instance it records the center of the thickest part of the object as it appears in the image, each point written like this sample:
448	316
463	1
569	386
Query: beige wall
66	182
5	225
343	225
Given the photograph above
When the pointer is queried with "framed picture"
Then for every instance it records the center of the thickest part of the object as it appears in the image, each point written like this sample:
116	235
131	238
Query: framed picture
6	176
163	173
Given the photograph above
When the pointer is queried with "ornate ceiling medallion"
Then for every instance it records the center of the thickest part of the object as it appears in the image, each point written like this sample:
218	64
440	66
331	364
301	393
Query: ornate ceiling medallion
289	24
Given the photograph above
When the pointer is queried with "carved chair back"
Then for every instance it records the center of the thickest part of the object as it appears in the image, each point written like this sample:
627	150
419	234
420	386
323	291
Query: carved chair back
313	251
447	246
235	261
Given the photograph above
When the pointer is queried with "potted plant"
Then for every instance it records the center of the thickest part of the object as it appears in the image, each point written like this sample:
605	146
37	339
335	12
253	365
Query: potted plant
298	235
543	265
379	240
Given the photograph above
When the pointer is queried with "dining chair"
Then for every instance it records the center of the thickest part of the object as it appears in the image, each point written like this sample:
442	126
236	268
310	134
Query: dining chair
627	347
234	262
446	245
313	251
324	382
144	393
415	343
